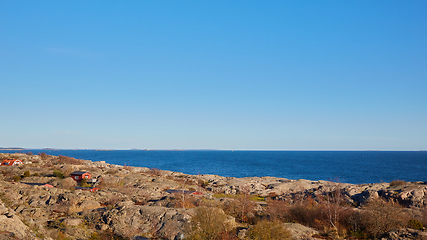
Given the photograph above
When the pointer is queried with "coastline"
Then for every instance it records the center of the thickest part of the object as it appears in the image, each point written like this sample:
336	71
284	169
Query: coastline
128	197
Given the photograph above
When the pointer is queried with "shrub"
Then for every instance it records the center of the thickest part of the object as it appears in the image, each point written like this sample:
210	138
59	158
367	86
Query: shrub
16	178
35	174
58	174
154	172
208	223
423	217
43	156
202	183
266	230
415	224
83	183
47	165
308	213
112	201
27	174
397	183
101	184
183	200
242	209
382	216
68	160
128	168
277	210
112	171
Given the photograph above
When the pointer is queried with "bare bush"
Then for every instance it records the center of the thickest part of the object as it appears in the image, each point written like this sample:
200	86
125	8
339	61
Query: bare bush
112	201
382	216
67	160
423	217
154	172
128	168
208	224
47	165
67	170
308	213
183	200
277	210
243	208
43	156
112	171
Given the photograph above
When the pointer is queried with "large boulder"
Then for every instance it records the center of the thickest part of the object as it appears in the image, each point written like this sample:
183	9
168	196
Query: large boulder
414	197
299	231
89	205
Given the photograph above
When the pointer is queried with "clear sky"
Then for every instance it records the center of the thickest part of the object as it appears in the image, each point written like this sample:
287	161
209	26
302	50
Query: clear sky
288	75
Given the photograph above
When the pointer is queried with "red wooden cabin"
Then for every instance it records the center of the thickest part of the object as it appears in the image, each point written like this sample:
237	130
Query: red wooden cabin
80	175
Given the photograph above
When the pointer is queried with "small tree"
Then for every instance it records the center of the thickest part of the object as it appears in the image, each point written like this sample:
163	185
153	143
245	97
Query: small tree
333	202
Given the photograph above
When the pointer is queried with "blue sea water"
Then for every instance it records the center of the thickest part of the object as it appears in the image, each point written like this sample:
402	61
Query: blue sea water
346	166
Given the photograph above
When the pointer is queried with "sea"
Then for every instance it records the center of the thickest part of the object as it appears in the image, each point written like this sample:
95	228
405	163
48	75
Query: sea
357	167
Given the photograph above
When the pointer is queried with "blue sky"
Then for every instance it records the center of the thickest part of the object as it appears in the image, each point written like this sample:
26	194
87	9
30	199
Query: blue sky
288	75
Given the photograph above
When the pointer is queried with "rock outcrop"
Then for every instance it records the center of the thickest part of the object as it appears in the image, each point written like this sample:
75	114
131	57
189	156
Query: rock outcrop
10	224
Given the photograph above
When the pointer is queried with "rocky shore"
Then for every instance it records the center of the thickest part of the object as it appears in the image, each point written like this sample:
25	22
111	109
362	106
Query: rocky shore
141	203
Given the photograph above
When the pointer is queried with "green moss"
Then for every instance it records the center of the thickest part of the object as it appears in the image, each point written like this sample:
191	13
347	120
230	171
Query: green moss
257	198
415	224
252	197
58	174
222	195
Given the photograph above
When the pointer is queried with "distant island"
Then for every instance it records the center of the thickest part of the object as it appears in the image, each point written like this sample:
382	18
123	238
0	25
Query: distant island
12	148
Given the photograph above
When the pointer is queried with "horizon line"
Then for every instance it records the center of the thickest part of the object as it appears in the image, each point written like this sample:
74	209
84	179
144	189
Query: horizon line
199	149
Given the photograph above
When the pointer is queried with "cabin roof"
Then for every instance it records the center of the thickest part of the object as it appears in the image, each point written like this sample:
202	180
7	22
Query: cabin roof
10	161
78	172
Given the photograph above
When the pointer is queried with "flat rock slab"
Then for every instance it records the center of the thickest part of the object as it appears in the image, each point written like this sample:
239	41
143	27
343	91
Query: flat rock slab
73	221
